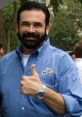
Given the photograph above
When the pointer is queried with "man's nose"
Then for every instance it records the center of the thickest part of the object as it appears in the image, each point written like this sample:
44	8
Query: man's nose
31	29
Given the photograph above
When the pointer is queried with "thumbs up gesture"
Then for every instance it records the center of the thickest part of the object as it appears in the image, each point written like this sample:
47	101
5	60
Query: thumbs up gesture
29	85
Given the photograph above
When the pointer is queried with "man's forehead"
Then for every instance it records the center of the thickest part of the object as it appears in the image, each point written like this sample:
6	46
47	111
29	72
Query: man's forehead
32	16
32	13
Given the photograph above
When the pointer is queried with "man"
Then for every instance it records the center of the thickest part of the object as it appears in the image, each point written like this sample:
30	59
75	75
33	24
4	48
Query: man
78	55
1	50
37	79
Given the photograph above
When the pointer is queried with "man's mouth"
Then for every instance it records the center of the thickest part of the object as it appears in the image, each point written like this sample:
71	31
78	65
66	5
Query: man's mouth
30	38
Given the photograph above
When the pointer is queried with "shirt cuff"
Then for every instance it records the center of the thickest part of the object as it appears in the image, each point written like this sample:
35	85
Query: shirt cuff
70	103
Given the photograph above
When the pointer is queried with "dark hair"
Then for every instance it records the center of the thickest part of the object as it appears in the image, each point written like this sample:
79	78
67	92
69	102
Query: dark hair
78	49
30	5
1	45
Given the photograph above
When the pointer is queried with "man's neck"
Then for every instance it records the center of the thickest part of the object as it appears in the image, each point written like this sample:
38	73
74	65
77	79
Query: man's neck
28	51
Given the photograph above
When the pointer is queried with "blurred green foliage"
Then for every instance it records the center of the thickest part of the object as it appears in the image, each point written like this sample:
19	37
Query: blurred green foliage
66	22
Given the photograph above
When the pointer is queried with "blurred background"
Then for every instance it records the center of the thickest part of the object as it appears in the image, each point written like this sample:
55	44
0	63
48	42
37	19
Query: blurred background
66	20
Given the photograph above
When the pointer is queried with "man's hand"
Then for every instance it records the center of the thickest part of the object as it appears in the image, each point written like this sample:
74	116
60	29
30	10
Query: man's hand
29	85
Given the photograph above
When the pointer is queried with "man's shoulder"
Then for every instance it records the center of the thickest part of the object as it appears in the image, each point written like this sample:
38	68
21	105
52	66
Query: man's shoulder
8	56
60	56
57	51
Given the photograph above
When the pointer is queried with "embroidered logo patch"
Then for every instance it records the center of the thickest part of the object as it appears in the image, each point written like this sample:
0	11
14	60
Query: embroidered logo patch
47	71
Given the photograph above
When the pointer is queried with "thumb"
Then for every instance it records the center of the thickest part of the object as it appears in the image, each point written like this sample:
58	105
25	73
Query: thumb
33	71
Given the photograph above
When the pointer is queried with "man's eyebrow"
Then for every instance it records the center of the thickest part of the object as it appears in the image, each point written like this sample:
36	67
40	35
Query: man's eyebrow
34	23
25	22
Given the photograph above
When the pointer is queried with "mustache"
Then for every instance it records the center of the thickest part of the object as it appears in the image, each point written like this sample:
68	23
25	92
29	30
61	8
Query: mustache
30	35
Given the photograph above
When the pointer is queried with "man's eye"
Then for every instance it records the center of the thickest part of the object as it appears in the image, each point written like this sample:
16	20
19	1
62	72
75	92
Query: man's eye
37	25
25	24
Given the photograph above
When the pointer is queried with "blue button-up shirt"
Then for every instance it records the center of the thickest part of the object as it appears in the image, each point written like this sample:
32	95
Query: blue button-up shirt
56	70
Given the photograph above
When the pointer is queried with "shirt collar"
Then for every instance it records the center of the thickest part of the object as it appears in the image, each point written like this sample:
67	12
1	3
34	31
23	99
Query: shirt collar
43	47
40	50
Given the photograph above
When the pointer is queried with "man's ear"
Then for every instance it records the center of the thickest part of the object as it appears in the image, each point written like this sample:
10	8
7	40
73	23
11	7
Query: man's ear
48	28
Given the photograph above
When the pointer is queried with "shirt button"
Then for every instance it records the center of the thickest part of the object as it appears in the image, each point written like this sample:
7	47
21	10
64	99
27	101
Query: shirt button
22	108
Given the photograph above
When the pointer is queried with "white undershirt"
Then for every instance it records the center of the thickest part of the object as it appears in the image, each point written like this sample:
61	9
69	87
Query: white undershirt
25	59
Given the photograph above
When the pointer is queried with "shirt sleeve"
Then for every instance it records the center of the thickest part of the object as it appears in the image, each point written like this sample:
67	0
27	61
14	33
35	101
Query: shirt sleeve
70	86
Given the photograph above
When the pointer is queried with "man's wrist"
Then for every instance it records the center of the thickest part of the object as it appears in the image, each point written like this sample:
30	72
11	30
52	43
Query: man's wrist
41	92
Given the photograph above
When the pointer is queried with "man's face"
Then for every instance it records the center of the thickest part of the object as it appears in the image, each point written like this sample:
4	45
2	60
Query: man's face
32	29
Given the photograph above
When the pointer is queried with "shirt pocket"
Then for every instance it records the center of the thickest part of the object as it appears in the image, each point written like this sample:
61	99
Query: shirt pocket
50	80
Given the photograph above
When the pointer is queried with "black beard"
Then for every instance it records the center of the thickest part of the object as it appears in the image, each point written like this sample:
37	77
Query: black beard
31	40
